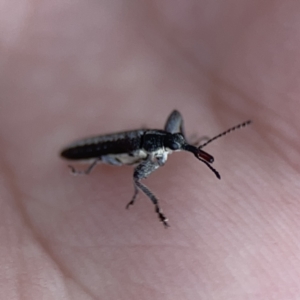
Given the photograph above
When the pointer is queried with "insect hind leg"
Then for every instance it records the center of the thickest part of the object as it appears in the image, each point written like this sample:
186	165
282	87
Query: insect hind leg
85	172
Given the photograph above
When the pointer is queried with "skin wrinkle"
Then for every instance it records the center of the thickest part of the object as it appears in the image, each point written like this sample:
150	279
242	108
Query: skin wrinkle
11	182
166	42
267	137
265	217
17	195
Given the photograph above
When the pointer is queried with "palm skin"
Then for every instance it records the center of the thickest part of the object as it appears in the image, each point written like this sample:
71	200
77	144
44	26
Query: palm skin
75	69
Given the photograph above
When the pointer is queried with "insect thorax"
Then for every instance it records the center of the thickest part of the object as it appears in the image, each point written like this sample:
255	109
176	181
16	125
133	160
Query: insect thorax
153	140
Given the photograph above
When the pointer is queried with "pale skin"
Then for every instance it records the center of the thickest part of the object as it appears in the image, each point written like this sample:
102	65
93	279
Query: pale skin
70	70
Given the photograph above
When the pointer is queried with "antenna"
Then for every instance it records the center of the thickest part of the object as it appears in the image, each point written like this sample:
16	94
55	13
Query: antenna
207	158
226	132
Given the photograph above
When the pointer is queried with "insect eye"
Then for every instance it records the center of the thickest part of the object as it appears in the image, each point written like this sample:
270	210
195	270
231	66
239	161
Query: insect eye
174	141
174	146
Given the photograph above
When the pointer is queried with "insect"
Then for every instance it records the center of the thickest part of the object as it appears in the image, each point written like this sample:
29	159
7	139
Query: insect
147	149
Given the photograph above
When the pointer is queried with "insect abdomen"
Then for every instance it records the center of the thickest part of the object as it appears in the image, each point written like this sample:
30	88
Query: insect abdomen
120	143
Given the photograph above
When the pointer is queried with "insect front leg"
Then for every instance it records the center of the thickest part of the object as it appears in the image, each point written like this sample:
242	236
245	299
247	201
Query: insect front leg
196	141
174	123
143	170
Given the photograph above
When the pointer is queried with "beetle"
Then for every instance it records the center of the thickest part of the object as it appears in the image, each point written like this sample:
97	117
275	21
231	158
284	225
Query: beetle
146	149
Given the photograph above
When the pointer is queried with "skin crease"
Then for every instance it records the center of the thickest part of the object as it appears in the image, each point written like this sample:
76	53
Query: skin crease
70	69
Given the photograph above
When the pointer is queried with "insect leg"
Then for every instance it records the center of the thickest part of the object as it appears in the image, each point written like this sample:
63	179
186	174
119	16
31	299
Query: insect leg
154	200
87	171
136	191
111	160
174	123
160	160
143	170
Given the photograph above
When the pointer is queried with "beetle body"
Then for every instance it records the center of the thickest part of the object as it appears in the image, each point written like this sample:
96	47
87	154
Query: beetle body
124	147
148	149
